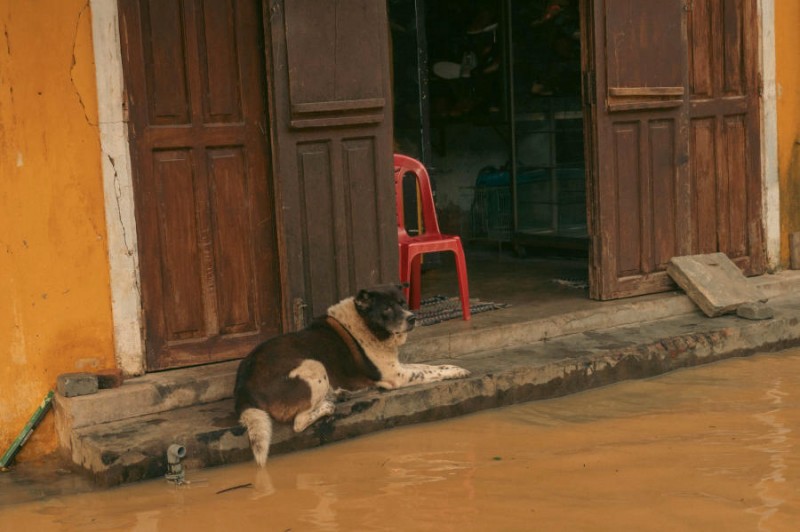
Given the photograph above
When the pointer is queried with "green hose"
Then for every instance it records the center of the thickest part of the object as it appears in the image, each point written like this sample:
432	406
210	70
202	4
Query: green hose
35	419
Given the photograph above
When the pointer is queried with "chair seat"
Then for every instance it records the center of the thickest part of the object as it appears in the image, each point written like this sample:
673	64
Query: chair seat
430	240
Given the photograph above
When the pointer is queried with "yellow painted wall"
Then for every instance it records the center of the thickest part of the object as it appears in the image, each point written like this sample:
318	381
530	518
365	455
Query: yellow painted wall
55	303
787	44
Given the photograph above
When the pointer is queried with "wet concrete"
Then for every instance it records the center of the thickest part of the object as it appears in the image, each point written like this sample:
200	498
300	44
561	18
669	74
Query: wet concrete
708	448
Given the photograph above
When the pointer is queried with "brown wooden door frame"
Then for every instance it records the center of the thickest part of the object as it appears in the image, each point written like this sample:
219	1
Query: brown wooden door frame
646	186
201	165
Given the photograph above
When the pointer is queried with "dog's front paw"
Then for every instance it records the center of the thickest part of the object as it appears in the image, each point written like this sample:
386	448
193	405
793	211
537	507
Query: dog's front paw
384	386
455	372
340	394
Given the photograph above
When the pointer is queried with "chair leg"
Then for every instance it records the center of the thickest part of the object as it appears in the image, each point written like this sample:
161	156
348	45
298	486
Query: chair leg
405	274
416	283
463	284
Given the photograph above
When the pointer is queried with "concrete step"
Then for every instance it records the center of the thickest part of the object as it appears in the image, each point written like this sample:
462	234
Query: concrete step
513	327
149	394
167	390
503	329
134	449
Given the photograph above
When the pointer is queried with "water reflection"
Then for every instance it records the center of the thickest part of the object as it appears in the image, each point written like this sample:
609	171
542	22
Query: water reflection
776	444
711	448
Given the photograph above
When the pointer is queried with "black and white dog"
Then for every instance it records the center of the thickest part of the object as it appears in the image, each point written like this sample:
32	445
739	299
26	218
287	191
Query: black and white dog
295	377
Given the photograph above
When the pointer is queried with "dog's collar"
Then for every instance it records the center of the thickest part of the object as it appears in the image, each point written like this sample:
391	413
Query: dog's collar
359	357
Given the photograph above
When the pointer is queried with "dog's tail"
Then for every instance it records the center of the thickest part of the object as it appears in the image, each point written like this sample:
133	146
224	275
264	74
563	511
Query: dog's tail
259	430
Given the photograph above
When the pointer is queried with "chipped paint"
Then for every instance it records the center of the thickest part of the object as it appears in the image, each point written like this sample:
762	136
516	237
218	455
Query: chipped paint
118	191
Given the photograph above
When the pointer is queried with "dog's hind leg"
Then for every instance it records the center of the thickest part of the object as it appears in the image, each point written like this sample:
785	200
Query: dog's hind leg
313	373
259	430
306	418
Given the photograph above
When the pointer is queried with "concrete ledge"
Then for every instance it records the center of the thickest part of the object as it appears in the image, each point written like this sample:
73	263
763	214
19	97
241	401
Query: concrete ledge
152	393
511	328
168	390
134	449
508	330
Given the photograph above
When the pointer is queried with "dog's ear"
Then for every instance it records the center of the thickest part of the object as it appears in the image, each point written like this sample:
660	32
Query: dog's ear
363	300
401	293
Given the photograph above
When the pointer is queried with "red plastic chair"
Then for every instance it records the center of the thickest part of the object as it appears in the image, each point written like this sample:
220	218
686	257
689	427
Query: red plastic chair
430	238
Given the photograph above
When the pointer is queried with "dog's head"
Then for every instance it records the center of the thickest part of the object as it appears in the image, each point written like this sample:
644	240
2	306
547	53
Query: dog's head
385	312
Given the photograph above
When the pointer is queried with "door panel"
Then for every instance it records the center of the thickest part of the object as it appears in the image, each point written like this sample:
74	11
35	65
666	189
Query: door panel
676	139
724	108
639	36
196	86
334	146
180	256
234	272
324	36
663	176
640	168
166	78
627	167
703	149
318	192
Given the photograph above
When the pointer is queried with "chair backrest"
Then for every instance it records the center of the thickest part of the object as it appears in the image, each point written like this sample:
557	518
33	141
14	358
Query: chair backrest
404	165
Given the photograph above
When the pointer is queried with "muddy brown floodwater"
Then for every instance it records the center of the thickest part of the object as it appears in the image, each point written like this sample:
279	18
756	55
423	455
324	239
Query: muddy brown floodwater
709	448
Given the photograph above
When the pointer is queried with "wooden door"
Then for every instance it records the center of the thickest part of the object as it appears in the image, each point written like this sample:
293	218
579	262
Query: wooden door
673	103
333	142
724	132
195	81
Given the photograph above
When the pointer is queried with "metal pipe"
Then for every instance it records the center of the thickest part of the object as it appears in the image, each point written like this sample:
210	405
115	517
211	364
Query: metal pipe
175	453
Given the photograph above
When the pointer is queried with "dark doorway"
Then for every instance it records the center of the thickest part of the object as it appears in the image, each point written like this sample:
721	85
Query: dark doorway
498	83
622	131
